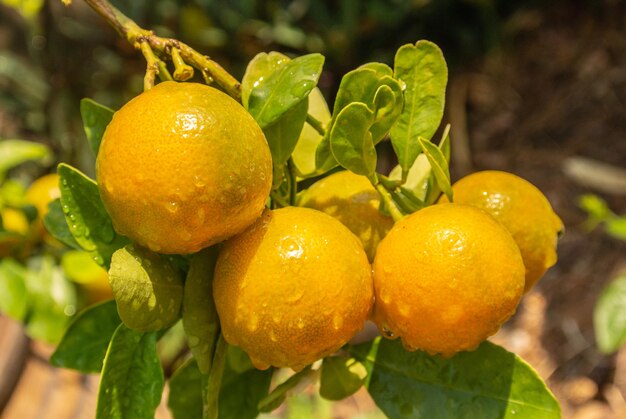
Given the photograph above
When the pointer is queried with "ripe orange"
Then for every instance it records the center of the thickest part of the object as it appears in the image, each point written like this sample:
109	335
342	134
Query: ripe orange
352	200
183	166
446	278
522	209
292	288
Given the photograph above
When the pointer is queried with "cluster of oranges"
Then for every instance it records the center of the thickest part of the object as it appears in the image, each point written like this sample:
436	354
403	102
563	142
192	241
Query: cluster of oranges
183	166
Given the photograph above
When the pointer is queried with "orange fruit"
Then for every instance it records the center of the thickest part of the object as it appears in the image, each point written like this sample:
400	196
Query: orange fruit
352	200
14	242
522	209
293	288
445	279
183	166
39	194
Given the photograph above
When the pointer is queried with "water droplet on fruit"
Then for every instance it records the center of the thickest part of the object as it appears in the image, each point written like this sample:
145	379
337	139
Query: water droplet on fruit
273	337
253	322
300	324
172	206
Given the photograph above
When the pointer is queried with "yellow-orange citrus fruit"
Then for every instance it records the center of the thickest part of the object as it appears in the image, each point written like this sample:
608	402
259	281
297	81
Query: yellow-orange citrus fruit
445	279
14	221
183	166
352	200
292	288
304	154
39	194
522	209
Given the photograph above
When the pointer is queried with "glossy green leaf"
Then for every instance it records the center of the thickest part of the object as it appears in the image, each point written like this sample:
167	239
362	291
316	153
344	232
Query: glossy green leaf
282	136
54	221
444	144
609	316
489	382
439	165
351	141
85	342
132	377
13	295
185	398
96	117
285	88
241	392
380	68
258	70
16	152
417	177
148	288
86	217
423	70
49	312
199	315
341	376
279	394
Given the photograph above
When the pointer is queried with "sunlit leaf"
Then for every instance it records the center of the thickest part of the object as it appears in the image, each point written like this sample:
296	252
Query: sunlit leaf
96	117
13	295
351	141
439	166
341	376
16	152
54	221
423	70
147	287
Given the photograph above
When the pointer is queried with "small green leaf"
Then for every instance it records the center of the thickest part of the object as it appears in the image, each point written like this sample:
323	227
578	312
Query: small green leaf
380	68
595	206
609	316
96	117
341	377
282	136
199	315
279	394
489	382
439	166
132	378
13	296
259	69
185	398
616	227
16	152
147	287
387	107
54	221
444	144
423	70
86	217
351	141
285	88
417	177
85	342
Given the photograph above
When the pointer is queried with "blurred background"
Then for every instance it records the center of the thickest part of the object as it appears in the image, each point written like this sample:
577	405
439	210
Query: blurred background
536	88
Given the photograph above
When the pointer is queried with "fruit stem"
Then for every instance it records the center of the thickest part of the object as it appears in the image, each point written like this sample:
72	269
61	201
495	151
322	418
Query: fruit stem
134	34
152	66
395	213
182	71
316	124
293	182
215	379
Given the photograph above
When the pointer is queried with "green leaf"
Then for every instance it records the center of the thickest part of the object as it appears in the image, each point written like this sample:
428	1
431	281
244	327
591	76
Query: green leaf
185	398
86	217
616	227
52	300
55	223
85	342
423	70
132	378
16	152
489	382
238	360
13	295
439	166
351	141
380	68
282	136
341	376
199	315
259	69
147	287
279	394
595	207
417	177
609	316
96	117
239	395
241	392
285	88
